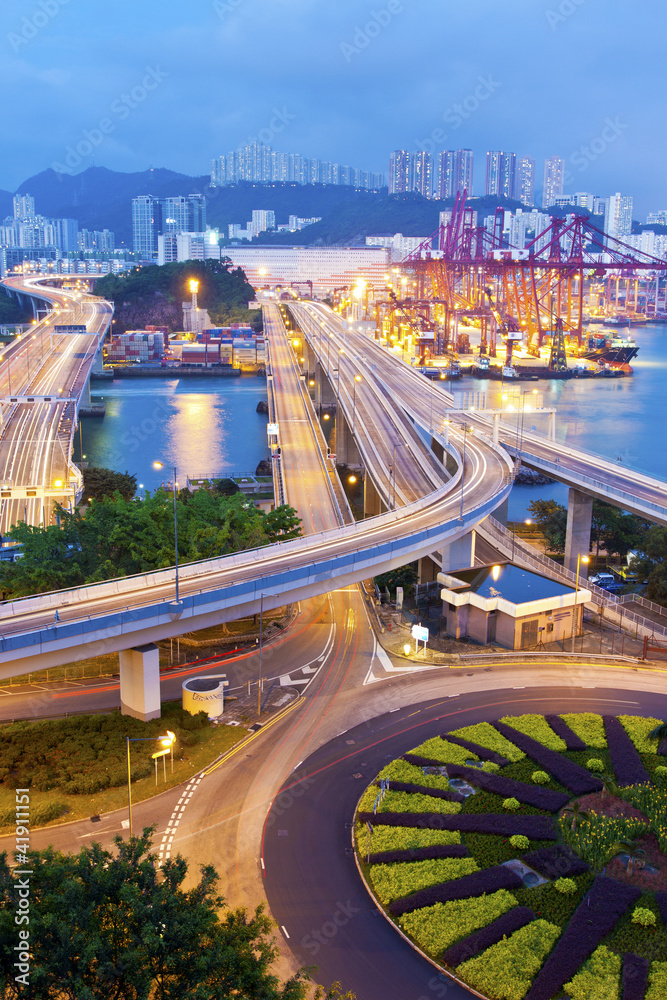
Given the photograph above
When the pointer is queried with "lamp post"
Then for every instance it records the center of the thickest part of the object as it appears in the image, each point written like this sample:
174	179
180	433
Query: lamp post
580	559
167	743
159	465
463	469
357	378
261	636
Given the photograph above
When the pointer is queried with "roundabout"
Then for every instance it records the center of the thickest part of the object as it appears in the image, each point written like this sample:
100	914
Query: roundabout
420	836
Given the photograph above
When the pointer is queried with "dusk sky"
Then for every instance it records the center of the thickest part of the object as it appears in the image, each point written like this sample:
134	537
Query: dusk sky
347	81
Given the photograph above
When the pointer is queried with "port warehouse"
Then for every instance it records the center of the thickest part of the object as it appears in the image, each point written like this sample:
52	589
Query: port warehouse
235	347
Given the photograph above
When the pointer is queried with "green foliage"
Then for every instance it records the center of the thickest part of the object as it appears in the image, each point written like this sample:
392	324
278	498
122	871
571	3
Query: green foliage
486	736
596	839
520	842
86	754
595	764
615	530
12	311
652	564
40	815
628	936
118	537
394	881
511	803
638	730
588	726
653	803
552	905
400	770
154	295
540	777
490	767
661	772
567	886
657	982
402	576
643	916
506	970
99	483
598	979
551	519
402	838
537	727
523	770
435	928
443	750
113	923
415	802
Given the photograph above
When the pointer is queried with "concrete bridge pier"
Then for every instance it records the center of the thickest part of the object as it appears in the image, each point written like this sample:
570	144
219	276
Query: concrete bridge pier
309	357
578	535
347	452
325	396
459	554
140	682
373	504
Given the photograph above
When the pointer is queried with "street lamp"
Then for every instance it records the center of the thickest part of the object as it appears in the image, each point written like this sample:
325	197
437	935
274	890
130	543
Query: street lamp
159	465
357	378
583	559
466	430
167	743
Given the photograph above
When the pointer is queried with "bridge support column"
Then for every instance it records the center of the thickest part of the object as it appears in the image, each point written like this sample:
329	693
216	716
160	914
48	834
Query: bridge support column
552	426
578	536
140	682
309	359
372	501
347	452
459	554
501	513
496	427
427	570
324	394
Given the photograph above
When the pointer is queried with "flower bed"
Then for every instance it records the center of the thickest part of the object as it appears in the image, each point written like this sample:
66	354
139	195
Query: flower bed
593	919
488	880
571	740
638	729
482	939
571	775
571	936
627	763
532	795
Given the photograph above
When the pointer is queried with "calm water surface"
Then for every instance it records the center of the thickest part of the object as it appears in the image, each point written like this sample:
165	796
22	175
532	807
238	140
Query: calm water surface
203	426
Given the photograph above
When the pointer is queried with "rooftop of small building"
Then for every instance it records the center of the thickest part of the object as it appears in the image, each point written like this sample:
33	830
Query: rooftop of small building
512	583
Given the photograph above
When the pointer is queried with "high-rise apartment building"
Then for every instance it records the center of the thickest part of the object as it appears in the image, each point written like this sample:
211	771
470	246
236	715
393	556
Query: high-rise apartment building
260	164
400	180
24	206
184	215
262	221
525	181
463	174
446	175
422	173
500	174
146	225
554	180
618	217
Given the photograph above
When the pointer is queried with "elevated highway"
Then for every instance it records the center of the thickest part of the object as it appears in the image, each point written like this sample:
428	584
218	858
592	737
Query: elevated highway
44	377
135	611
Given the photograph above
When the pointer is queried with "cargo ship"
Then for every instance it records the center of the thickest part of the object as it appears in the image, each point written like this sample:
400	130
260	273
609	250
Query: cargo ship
614	351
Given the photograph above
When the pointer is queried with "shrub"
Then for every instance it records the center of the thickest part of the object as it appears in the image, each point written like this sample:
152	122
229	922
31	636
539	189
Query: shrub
627	763
661	772
540	777
508	787
638	729
595	764
536	727
484	753
396	881
573	777
407	802
490	767
397	838
556	860
652	802
443	752
565	885
535	827
487	881
435	928
400	770
511	803
595	839
520	842
488	736
569	737
505	970
657	981
598	979
643	916
498	930
588	726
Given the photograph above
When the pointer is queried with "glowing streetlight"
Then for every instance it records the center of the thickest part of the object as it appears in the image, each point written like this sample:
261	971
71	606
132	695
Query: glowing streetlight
580	559
167	743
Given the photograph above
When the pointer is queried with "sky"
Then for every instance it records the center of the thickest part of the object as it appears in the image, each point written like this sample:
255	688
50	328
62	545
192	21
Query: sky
165	83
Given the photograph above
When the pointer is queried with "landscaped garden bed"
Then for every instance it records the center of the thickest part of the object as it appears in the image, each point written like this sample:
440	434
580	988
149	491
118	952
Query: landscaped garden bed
541	871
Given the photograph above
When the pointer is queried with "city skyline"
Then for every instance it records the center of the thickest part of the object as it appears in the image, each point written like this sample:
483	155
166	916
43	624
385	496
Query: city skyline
246	81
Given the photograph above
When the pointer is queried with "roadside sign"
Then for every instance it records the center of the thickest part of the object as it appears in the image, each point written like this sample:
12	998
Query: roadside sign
419	633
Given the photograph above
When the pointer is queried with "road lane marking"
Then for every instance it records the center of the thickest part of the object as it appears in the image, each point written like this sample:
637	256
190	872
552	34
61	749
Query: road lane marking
284	930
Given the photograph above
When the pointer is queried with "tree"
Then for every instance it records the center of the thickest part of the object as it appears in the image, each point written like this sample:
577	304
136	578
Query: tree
112	924
618	531
576	815
99	483
551	518
651	565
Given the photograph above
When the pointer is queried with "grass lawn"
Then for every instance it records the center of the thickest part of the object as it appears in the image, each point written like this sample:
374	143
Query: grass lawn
187	761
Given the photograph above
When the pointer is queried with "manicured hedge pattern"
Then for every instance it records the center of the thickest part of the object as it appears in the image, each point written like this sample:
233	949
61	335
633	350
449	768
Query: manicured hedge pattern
657	981
532	795
561	728
661	900
594	918
627	763
436	793
599	978
479	751
487	936
569	774
436	928
488	880
588	726
396	881
505	970
638	729
534	827
420	854
440	750
537	727
555	862
485	734
635	977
